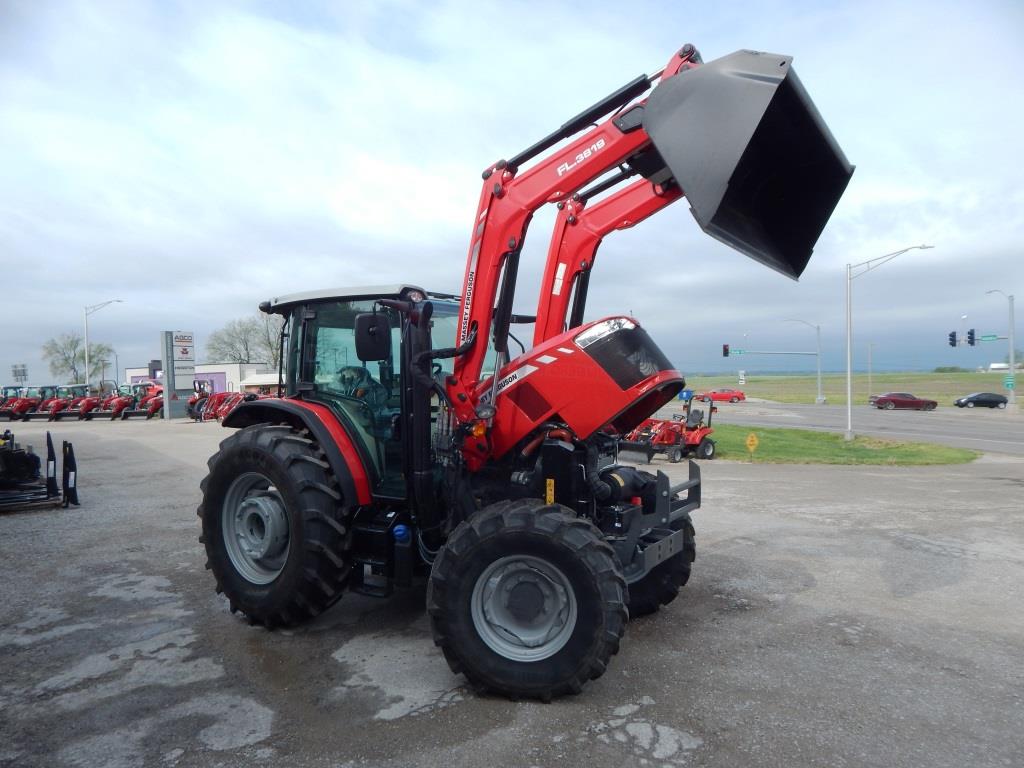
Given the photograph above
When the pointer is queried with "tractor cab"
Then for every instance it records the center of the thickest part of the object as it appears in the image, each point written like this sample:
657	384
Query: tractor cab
365	394
8	393
72	391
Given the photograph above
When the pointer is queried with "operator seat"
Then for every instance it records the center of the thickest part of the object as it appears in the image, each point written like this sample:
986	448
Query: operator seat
695	418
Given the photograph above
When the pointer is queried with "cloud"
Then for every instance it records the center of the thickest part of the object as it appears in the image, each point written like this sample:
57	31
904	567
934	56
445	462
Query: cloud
195	159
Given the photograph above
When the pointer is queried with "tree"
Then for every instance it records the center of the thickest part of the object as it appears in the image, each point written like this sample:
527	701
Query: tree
65	355
251	339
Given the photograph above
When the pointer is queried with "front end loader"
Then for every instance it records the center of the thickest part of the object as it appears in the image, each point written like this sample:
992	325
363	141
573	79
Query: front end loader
410	444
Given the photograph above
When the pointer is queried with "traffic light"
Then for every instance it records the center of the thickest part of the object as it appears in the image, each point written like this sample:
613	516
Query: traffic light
952	338
725	350
970	336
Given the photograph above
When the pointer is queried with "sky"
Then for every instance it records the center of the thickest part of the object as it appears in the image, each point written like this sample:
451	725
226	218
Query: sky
193	159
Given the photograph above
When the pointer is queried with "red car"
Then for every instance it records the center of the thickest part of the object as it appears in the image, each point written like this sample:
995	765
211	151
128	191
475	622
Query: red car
721	396
892	400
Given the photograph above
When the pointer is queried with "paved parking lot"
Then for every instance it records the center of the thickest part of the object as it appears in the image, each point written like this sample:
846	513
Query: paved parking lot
837	616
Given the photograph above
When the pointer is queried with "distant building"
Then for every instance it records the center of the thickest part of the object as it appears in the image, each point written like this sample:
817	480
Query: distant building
999	366
219	377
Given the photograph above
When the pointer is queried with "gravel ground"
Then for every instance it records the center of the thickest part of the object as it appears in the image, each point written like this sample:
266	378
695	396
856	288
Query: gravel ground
837	616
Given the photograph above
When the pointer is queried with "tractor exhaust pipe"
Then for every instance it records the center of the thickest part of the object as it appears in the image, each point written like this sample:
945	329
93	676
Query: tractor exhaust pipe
761	170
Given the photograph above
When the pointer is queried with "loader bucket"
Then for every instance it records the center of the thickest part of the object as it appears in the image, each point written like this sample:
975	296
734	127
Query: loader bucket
757	163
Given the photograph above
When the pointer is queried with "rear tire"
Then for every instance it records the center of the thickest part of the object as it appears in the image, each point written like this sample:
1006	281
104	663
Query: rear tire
527	600
275	529
661	586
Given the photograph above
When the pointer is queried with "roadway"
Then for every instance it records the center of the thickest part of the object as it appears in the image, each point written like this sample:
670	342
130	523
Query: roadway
981	429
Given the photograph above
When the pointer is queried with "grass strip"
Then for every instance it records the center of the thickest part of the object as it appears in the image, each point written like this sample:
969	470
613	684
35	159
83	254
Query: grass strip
802	446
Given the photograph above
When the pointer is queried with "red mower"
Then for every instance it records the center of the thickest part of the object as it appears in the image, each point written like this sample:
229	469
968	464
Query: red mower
684	435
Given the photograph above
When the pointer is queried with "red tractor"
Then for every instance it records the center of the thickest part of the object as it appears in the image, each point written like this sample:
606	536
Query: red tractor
63	398
685	434
410	444
29	401
148	400
8	393
117	403
202	389
208	407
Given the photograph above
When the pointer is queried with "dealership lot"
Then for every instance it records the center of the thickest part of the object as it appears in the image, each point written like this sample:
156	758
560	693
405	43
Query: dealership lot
836	616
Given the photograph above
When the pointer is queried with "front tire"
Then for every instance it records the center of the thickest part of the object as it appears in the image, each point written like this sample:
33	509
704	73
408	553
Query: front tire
970	404
527	600
275	529
890	406
1000	405
675	454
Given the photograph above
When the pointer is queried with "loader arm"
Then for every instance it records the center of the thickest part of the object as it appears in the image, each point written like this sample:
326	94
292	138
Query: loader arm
508	201
739	136
577	235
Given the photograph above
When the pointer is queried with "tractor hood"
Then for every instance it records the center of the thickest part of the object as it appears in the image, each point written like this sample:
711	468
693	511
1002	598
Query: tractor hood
759	167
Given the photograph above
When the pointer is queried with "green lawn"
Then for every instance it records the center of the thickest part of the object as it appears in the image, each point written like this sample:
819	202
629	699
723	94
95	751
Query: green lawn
944	388
800	446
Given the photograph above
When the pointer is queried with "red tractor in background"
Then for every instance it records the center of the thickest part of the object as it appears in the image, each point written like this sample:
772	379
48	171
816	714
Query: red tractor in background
8	393
63	398
28	401
148	400
202	389
392	458
125	399
685	434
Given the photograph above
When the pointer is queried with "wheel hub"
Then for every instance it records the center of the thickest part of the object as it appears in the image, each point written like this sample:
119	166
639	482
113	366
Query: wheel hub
263	527
254	525
524	608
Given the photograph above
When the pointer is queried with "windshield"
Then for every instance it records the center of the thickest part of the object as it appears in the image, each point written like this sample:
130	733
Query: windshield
445	324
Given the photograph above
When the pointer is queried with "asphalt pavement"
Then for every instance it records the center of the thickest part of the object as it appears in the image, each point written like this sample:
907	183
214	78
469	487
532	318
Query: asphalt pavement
837	616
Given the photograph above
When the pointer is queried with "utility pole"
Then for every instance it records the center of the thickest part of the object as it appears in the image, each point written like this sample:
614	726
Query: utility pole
867	267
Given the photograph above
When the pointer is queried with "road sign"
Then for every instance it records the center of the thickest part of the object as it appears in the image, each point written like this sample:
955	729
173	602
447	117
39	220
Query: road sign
989	337
1008	381
752	442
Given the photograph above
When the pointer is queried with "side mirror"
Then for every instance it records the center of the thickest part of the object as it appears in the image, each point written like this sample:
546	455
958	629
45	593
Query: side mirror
373	337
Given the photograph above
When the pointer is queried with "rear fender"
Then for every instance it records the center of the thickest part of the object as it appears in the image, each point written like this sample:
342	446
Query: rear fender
341	454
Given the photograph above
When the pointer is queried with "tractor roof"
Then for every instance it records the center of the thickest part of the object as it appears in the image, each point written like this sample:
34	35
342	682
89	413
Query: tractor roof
280	304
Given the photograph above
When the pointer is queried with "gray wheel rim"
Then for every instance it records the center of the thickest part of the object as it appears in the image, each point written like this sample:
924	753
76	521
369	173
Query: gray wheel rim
254	524
524	608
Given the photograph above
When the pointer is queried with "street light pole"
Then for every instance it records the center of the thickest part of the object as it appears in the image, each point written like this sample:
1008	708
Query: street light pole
817	330
867	267
88	311
871	344
1012	399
